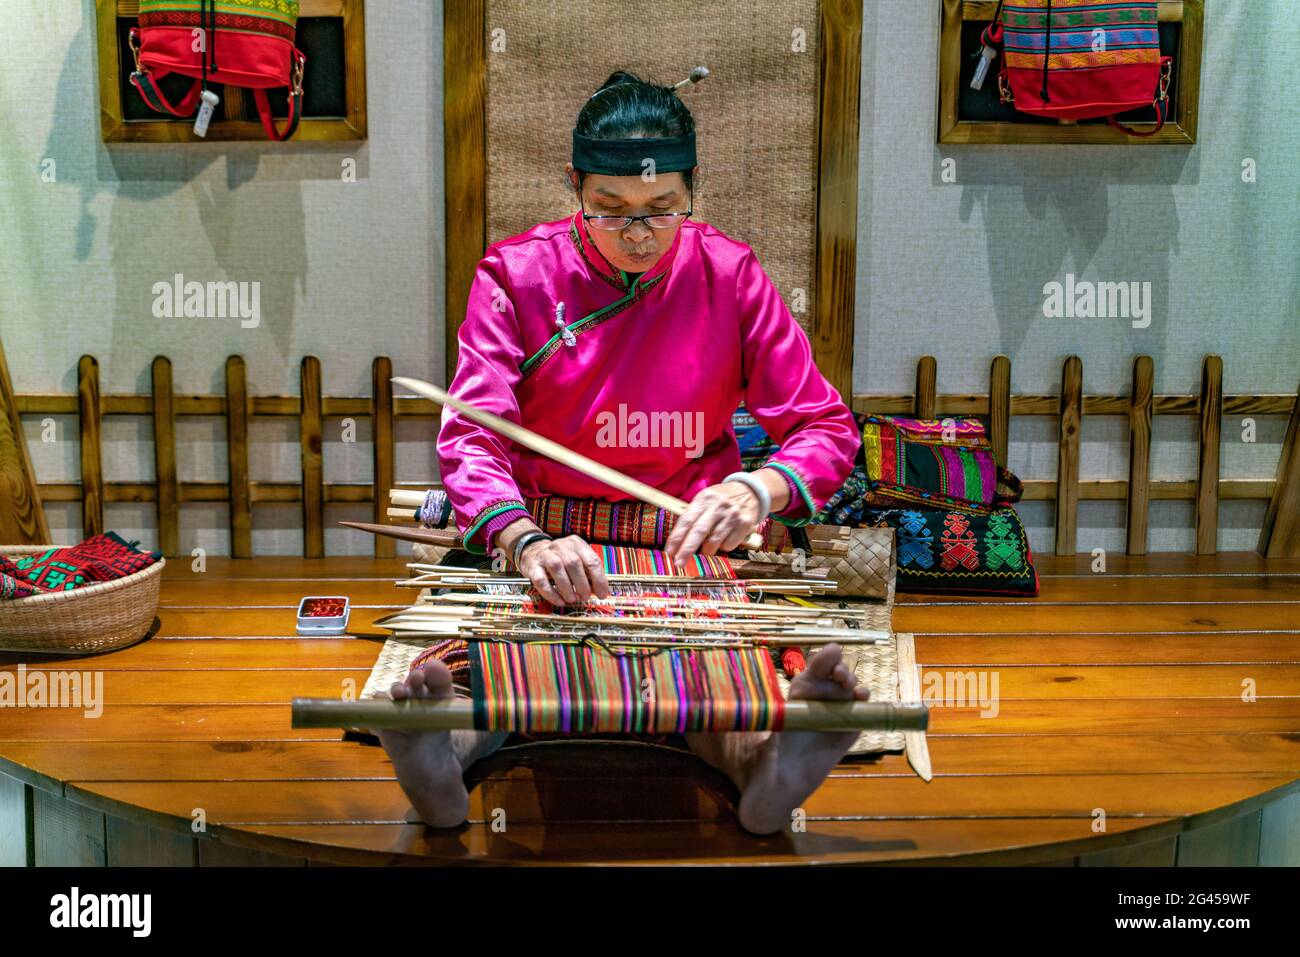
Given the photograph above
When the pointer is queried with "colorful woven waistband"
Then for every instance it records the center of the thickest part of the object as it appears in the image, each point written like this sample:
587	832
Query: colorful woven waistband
537	687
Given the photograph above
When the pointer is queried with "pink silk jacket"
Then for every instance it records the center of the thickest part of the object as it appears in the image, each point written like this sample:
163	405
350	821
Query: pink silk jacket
643	376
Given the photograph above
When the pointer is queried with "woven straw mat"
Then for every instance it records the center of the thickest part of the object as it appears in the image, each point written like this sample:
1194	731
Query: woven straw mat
755	115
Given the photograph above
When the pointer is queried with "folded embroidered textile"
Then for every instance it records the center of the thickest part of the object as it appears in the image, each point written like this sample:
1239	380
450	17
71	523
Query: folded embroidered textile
100	558
940	550
935	463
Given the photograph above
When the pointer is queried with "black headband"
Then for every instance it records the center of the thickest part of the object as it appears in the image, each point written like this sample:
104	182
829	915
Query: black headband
627	157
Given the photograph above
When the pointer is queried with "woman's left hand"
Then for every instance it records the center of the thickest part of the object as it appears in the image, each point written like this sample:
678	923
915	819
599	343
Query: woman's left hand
719	518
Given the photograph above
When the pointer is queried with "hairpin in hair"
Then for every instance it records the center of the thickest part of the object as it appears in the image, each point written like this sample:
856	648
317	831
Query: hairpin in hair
698	74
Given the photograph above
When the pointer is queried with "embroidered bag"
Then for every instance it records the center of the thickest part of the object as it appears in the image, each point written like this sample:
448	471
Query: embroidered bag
940	550
1080	59
935	463
245	43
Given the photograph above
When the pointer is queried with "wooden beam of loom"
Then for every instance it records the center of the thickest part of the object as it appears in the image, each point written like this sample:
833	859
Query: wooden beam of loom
557	452
458	713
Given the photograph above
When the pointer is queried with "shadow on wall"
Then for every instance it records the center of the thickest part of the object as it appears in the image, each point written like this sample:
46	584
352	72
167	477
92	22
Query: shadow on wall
1047	212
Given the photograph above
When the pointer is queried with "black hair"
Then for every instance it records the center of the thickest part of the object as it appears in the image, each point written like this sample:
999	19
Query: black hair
627	106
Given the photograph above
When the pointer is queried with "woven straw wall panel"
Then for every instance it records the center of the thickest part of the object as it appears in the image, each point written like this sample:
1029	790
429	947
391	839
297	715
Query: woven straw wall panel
755	115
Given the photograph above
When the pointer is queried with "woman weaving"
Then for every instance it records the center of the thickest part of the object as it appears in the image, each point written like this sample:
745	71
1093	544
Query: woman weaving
630	304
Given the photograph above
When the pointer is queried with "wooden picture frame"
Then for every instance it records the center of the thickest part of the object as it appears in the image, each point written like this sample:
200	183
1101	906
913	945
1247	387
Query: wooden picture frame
1180	129
115	126
835	256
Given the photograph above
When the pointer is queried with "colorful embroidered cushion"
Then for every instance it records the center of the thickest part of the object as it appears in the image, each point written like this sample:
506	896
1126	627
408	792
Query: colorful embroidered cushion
944	463
940	550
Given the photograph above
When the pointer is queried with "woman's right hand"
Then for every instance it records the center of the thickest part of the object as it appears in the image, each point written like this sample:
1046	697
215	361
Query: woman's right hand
565	571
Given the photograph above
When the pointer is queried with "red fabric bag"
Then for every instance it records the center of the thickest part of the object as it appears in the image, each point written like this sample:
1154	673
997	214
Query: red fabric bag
1081	59
244	43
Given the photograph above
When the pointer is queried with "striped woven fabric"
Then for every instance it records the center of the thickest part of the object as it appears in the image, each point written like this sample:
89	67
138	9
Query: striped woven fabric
1085	34
541	688
622	523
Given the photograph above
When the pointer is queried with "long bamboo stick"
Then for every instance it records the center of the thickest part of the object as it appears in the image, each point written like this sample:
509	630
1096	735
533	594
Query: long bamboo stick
453	713
558	453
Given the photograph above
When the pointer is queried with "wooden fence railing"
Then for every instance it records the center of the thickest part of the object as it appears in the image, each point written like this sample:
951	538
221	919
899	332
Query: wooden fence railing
1279	535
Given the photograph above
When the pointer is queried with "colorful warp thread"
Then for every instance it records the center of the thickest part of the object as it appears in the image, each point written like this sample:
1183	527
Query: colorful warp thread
621	560
537	688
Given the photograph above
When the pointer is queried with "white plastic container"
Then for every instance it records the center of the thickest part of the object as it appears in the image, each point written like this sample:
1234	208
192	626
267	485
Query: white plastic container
323	615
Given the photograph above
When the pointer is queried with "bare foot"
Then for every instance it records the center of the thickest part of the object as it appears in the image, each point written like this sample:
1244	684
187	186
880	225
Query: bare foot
425	762
791	765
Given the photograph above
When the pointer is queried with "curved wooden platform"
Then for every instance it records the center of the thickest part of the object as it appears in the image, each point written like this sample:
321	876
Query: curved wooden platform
1118	695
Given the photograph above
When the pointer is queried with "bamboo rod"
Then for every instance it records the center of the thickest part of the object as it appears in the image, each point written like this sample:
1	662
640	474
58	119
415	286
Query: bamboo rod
558	453
458	713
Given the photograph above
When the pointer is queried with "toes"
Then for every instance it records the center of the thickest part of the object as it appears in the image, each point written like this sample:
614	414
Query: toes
430	680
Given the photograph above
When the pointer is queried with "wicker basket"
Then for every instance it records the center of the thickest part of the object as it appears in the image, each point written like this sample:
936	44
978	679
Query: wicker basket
99	617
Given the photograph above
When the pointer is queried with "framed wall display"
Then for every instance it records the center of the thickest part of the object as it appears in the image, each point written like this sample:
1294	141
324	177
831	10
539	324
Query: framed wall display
330	33
968	115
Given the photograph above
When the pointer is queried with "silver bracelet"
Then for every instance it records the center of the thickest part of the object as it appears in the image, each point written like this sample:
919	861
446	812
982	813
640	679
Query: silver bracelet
757	487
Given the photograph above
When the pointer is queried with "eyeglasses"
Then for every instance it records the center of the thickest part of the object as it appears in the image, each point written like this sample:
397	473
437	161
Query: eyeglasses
654	220
657	221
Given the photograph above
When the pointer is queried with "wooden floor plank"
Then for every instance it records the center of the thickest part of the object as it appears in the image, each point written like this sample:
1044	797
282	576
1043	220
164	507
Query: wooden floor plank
1167	563
236	593
1135	590
181	654
951	754
940	685
219	687
1097	619
277	622
684	797
342	568
1034	649
252	722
